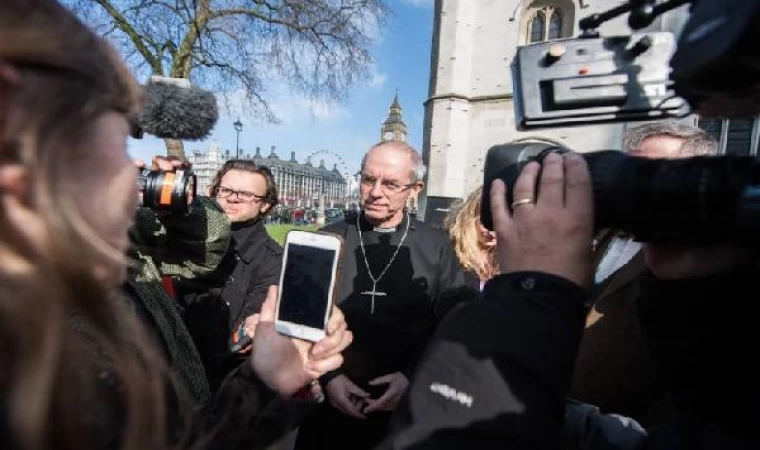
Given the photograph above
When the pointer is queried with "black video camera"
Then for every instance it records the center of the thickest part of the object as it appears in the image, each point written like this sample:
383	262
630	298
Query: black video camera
700	200
715	69
172	191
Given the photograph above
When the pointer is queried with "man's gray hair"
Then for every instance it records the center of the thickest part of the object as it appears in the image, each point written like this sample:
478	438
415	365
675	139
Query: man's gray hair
418	165
696	141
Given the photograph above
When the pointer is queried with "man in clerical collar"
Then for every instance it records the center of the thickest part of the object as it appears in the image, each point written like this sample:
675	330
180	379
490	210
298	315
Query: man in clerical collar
399	277
246	192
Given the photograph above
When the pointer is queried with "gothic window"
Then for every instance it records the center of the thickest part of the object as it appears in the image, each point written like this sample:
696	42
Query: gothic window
546	23
545	20
537	26
555	25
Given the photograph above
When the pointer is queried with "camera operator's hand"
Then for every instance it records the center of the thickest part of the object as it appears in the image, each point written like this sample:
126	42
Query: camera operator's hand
551	233
678	262
287	364
164	163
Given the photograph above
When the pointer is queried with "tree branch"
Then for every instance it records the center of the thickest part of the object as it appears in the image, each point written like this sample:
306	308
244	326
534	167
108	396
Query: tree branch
134	36
262	17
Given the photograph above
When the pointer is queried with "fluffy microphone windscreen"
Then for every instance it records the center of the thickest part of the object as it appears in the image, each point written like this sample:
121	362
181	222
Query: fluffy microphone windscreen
176	112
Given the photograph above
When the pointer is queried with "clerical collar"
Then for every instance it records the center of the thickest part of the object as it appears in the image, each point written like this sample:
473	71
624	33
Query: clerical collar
367	226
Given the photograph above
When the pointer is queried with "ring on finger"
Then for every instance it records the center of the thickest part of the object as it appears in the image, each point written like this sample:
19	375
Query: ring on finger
521	202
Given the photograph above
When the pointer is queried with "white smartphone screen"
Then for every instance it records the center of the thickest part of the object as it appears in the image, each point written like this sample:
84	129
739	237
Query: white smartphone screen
304	295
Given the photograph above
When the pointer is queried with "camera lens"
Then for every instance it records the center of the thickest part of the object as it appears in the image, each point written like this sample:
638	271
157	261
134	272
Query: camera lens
166	190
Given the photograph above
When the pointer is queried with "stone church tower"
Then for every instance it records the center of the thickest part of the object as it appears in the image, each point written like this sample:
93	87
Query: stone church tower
470	100
394	128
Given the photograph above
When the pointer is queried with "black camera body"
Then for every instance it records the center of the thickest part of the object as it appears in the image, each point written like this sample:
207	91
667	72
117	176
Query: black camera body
700	200
715	67
171	191
595	80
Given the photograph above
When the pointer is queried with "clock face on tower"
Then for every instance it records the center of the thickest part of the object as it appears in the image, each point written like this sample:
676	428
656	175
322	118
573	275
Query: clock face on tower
388	135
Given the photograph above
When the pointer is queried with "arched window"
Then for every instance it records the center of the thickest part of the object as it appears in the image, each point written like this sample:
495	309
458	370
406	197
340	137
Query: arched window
555	25
537	26
545	20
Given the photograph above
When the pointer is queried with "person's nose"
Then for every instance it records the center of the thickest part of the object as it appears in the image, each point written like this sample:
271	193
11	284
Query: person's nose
377	190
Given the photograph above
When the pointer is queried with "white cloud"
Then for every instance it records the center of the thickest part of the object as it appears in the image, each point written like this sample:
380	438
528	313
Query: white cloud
324	111
289	108
378	80
420	3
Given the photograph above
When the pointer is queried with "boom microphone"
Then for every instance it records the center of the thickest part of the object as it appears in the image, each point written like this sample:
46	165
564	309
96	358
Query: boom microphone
176	111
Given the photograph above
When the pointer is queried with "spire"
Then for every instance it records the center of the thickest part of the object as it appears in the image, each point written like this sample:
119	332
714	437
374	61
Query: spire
258	153
396	104
273	155
293	157
394	128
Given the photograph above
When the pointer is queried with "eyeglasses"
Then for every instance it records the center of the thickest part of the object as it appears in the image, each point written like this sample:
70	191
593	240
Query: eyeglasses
243	196
388	187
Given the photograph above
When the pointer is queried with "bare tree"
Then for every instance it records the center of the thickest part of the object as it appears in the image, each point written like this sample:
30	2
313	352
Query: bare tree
241	48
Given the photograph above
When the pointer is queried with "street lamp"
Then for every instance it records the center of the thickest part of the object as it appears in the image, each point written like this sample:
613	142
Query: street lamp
238	127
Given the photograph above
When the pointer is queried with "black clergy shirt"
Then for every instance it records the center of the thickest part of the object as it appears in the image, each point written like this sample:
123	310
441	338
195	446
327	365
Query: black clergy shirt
420	286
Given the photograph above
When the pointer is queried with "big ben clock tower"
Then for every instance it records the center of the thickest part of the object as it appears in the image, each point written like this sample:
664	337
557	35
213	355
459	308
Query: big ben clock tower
394	128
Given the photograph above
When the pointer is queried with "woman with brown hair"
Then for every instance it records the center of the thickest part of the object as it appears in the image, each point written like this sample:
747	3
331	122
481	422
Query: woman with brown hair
77	369
474	244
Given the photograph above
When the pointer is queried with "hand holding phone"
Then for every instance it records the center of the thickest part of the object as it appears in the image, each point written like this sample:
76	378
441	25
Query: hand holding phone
288	364
307	284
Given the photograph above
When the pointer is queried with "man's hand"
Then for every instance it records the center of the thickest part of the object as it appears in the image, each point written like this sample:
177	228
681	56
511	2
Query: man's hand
249	331
163	163
679	262
287	364
552	233
397	385
346	397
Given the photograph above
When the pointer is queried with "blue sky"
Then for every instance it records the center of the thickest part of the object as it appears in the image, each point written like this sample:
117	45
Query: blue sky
402	61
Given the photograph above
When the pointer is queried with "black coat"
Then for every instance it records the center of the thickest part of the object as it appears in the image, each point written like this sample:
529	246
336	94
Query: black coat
215	307
498	370
423	283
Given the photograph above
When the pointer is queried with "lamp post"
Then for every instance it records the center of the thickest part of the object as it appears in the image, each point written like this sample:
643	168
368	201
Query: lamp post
238	127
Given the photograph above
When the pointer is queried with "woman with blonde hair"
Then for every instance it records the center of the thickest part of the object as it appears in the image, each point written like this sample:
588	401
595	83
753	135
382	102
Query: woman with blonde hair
77	367
474	244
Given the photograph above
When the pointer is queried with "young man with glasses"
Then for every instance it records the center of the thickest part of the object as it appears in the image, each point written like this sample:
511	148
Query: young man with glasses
215	310
399	276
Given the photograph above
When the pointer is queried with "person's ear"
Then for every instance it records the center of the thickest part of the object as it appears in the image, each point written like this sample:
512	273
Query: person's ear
418	188
265	207
208	191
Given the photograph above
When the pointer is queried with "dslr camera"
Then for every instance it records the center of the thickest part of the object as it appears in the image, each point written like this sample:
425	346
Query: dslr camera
712	69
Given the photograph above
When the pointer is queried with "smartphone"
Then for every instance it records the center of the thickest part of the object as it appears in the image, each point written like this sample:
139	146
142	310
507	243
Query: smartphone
307	283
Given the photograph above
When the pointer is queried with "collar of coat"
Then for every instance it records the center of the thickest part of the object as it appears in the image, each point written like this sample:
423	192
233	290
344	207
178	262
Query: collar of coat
248	237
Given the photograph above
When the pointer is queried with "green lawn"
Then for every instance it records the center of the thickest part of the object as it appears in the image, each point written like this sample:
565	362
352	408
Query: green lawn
278	232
